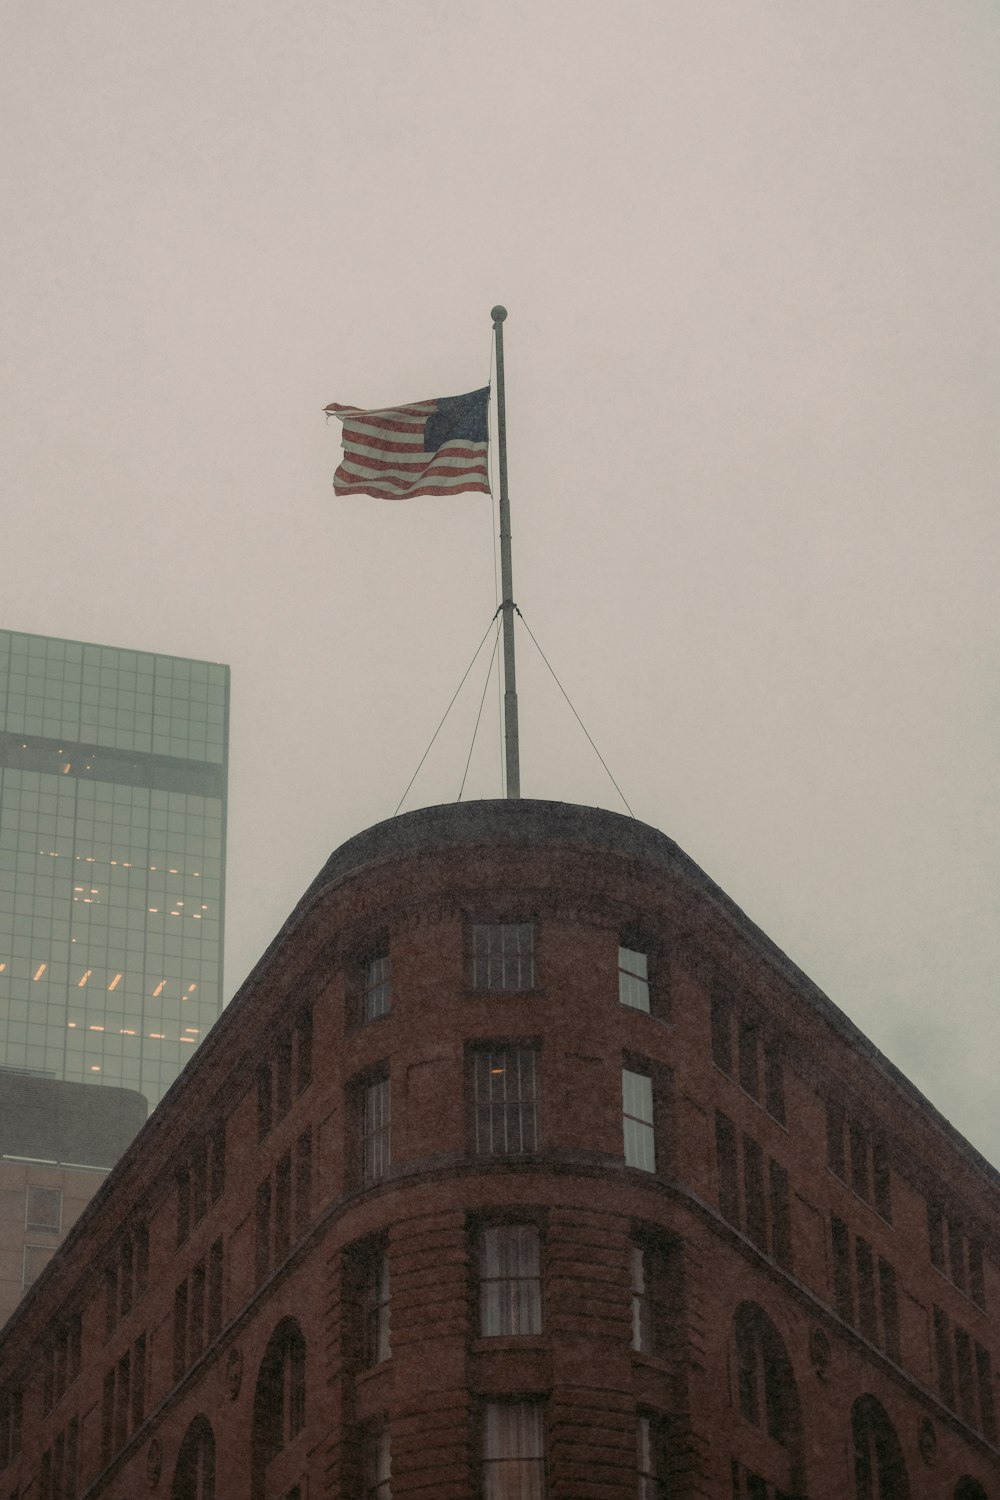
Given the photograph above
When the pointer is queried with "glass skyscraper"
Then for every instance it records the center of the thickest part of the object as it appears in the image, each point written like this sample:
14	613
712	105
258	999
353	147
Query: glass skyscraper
113	772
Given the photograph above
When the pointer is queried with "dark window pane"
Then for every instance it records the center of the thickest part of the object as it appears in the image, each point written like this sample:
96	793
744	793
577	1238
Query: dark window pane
956	1254
753	1186
749	1042
774	1082
987	1409
725	1151
843	1295
859	1160
942	1351
967	1393
781	1218
835	1139
977	1284
882	1178
890	1309
867	1319
722	1040
501	956
935	1234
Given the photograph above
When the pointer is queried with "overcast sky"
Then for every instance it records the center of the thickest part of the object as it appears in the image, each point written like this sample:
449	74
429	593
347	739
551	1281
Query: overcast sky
749	252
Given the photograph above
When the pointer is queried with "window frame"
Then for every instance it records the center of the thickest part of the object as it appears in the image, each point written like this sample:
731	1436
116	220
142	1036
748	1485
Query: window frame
490	1116
524	1298
482	981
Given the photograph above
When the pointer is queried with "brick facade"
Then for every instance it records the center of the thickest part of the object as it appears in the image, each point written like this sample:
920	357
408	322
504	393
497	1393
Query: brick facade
382	1238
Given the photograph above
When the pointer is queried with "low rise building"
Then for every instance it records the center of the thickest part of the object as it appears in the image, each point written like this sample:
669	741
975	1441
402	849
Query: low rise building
523	1167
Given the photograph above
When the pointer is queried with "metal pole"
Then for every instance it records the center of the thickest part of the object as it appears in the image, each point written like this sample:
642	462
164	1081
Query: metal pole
510	686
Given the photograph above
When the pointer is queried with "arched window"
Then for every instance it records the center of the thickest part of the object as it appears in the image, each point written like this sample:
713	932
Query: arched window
968	1488
279	1403
768	1396
194	1476
879	1466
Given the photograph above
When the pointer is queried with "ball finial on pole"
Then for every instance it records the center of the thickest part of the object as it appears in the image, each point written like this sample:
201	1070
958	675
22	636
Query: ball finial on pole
498	313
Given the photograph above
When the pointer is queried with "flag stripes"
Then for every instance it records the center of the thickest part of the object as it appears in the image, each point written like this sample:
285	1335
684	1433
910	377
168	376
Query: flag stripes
435	447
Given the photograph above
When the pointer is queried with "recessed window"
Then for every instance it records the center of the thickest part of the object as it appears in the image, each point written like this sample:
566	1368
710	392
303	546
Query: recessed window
378	1460
376	1305
633	978
513	1450
500	956
651	1263
638	1120
651	1457
504	1100
375	1131
510	1280
376	995
43	1209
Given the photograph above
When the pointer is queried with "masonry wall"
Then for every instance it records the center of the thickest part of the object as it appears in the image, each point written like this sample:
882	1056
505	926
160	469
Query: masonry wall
795	1312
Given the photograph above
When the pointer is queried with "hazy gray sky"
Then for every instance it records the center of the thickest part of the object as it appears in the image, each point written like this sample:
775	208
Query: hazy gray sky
749	253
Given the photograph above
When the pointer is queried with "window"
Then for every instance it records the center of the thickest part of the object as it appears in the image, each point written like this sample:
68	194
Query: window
651	1457
303	1182
375	1131
183	1181
765	1213
749	1057
43	1209
283	1076
217	1161
376	993
866	1159
279	1407
303	1049
745	1051
767	1393
750	1486
36	1258
638	1120
513	1450
373	1268
510	1279
500	956
722	1033
378	1460
264	1104
123	1399
504	1099
633	978
653	1273
262	1225
62	1357
282	1208
965	1377
879	1466
864	1289
215	1275
955	1254
11	1412
194	1476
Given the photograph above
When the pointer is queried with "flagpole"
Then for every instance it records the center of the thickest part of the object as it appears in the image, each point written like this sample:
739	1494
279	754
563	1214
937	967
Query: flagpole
510	685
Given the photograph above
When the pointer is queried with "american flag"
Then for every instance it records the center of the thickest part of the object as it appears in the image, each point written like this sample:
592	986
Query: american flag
435	447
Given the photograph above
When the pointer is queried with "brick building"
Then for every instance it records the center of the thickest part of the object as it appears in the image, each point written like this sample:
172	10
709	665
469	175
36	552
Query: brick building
523	1165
